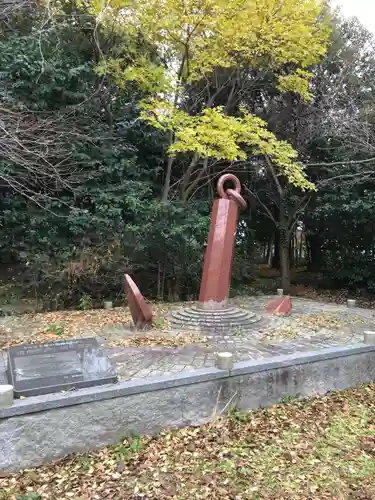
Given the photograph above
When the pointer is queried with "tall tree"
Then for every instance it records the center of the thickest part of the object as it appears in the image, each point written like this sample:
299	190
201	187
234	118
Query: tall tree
332	133
210	52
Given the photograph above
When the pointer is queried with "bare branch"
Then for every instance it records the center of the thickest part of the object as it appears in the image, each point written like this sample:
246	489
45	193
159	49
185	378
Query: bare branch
274	176
267	211
36	154
336	163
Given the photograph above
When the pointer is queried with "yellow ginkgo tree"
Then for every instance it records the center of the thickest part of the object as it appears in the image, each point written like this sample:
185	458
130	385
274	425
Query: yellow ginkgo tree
207	50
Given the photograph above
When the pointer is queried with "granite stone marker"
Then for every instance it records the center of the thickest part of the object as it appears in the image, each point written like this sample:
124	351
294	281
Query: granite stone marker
58	366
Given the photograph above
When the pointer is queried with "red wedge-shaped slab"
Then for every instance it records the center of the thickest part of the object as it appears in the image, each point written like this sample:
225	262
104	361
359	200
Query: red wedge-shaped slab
140	311
281	306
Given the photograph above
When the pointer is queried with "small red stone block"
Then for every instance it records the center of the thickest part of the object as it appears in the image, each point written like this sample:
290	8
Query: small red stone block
140	311
281	306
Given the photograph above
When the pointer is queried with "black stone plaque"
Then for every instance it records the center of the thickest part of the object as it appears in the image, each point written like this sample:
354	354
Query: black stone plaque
58	366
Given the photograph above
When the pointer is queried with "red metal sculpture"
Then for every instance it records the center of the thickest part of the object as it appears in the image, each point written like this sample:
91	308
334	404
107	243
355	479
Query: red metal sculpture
280	307
220	246
140	311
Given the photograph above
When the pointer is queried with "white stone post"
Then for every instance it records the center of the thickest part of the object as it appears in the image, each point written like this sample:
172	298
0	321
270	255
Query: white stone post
224	360
369	337
6	396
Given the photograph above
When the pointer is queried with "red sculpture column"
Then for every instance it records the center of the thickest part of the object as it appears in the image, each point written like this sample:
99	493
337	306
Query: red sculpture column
220	246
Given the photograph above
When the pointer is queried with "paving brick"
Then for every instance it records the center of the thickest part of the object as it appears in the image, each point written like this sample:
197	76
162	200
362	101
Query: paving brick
144	362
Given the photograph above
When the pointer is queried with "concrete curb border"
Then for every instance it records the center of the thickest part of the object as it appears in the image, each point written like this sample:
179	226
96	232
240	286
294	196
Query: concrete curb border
41	429
137	386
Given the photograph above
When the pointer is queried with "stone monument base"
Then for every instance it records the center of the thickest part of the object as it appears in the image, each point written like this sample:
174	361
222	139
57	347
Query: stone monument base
196	318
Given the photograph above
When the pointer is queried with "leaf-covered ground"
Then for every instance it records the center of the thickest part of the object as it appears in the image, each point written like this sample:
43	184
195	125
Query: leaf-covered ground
314	323
48	326
114	326
322	448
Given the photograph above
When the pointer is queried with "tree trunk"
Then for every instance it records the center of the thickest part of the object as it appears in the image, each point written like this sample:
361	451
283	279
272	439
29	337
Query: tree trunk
268	256
167	180
301	253
314	252
285	244
285	265
276	256
292	250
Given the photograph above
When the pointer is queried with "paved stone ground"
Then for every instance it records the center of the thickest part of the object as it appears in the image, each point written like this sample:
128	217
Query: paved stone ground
312	325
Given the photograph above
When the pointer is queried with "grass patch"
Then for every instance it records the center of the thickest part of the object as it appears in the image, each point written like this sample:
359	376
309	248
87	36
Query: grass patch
321	448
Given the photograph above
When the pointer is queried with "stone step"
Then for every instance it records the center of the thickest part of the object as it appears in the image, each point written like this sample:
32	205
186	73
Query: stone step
245	324
222	320
213	324
181	315
219	313
194	311
210	329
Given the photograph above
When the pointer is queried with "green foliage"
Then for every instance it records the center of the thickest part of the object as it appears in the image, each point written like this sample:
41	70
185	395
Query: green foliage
247	33
85	302
98	112
171	240
297	82
56	328
30	496
86	237
241	36
129	447
340	218
344	221
148	76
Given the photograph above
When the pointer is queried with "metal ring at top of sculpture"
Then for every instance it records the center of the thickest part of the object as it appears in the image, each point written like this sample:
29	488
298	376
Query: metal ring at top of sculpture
235	196
222	180
231	194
